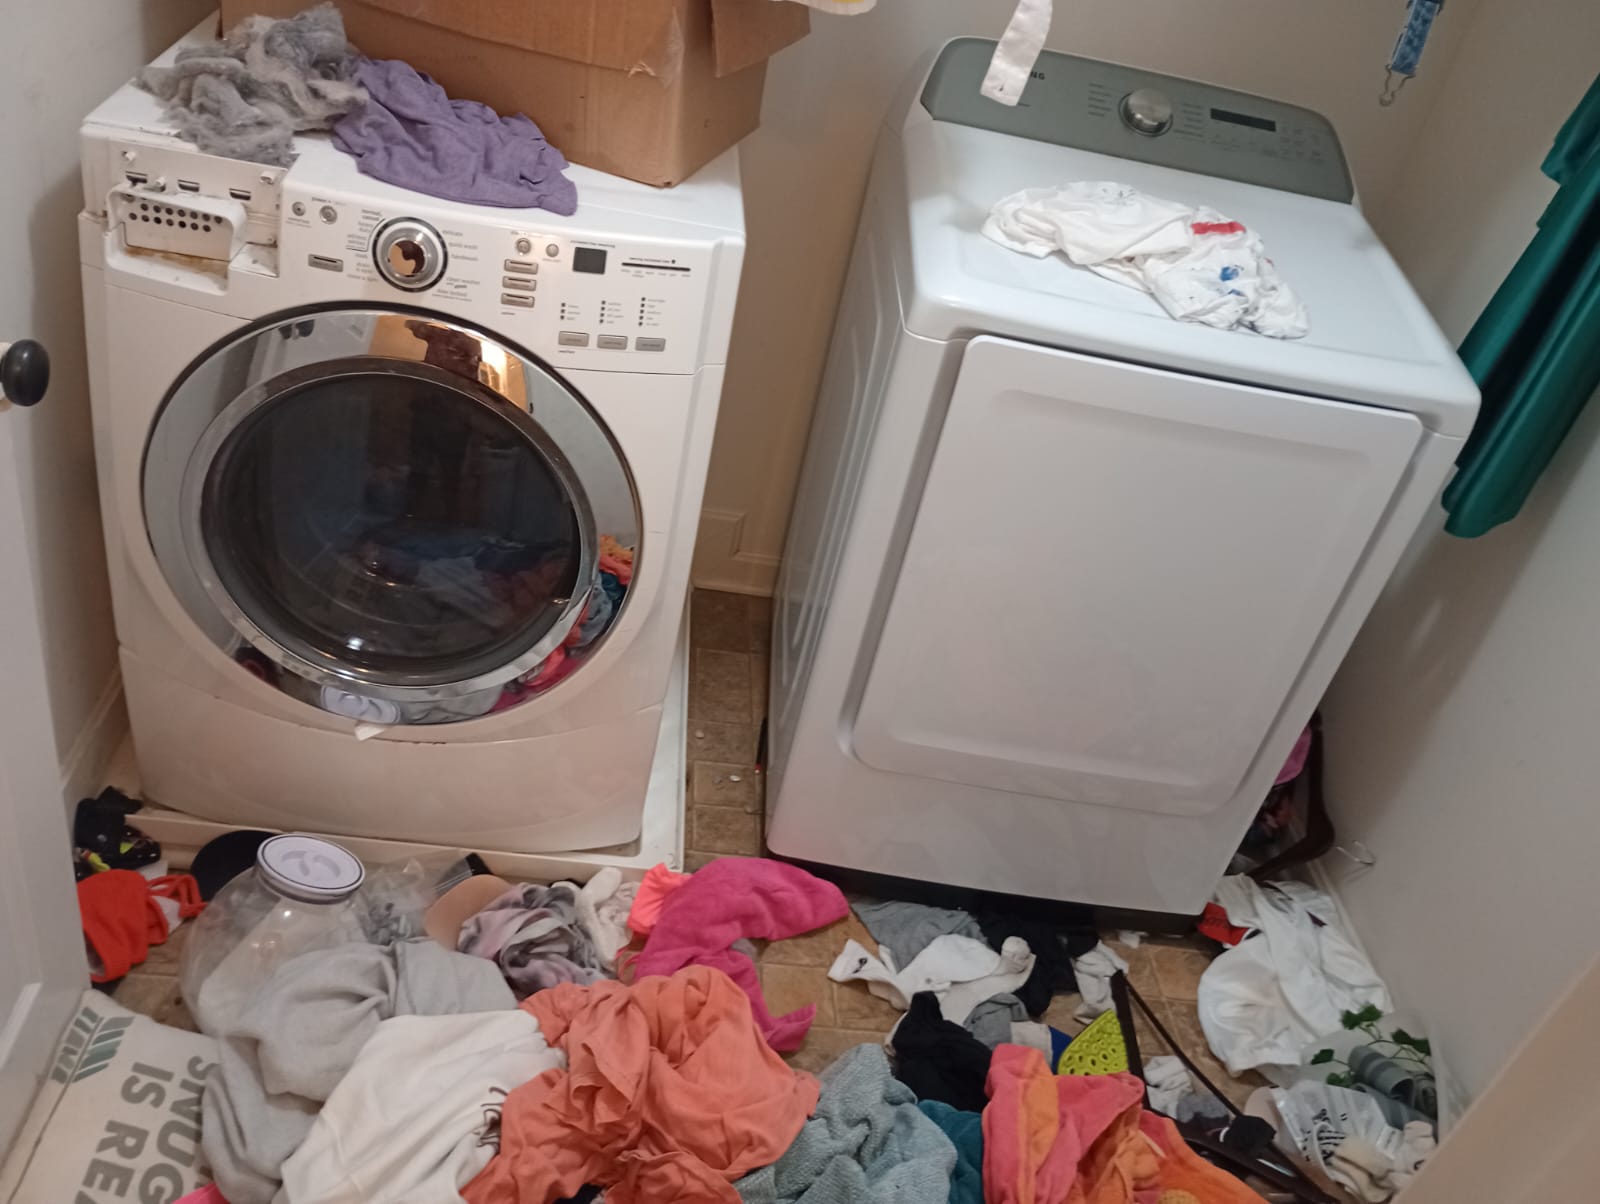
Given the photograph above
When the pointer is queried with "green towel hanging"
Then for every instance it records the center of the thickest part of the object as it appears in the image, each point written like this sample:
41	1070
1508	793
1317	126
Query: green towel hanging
1535	351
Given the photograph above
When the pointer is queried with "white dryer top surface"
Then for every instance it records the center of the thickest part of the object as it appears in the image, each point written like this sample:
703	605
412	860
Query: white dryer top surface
709	205
1371	338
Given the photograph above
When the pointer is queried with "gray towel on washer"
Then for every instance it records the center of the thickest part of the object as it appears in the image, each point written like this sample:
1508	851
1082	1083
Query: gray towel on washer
282	1059
246	96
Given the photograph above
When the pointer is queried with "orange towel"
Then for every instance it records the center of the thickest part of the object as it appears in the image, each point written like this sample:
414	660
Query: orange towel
1185	1177
670	1093
1050	1139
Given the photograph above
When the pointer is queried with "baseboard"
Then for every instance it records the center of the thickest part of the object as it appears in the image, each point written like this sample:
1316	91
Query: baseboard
83	769
758	578
1323	880
721	563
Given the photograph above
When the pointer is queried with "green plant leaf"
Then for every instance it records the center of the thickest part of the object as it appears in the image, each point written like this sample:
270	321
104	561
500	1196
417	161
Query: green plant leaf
1321	1057
1341	1080
1370	1014
1420	1044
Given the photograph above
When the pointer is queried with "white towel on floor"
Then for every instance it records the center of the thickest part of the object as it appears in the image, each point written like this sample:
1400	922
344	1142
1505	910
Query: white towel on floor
962	972
1094	972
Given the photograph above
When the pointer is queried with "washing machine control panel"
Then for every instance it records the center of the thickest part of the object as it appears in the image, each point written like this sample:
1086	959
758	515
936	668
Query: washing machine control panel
565	294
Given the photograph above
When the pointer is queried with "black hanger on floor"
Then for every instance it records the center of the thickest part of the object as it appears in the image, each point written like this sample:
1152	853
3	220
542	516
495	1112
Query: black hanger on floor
1285	1176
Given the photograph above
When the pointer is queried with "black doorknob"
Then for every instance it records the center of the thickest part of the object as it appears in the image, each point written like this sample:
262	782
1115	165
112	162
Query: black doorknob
25	373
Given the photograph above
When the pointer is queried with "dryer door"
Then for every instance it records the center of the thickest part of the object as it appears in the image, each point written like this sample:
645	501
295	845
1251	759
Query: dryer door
389	515
1116	575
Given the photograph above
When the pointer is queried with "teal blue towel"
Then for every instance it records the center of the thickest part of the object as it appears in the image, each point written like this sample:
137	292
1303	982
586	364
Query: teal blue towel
965	1131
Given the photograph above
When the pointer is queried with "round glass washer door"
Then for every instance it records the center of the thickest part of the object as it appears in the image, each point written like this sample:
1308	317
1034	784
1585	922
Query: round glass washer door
394	517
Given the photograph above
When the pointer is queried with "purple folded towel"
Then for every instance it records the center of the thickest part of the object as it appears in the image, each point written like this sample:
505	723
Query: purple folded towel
411	134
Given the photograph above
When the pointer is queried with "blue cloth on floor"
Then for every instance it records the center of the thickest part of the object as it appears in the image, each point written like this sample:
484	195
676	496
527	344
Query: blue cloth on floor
412	134
1058	1046
965	1131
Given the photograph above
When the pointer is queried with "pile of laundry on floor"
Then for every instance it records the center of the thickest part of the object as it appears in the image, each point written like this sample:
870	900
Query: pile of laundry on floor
506	1043
1355	1095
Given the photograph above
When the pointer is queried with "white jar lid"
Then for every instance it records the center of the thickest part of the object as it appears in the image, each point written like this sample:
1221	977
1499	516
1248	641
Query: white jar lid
309	868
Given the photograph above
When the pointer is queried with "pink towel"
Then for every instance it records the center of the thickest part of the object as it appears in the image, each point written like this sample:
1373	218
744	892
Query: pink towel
737	897
654	891
1038	1127
206	1195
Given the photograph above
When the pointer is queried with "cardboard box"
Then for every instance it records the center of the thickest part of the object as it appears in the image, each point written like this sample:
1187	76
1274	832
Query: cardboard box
649	89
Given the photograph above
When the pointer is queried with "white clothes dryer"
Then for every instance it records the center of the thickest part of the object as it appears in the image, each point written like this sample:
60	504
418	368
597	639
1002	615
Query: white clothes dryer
400	494
1066	578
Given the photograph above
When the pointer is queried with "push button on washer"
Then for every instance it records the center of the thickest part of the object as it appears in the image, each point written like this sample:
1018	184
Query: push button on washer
573	338
518	301
649	344
613	342
522	267
518	285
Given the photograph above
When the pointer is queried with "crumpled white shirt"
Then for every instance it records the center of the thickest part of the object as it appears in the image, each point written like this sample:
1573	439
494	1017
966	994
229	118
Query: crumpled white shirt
1263	1001
1199	265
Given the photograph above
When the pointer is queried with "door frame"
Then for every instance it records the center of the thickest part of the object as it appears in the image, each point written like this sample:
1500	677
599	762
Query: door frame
39	922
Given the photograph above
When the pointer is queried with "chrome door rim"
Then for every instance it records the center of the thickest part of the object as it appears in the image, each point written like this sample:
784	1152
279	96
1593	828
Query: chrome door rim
192	574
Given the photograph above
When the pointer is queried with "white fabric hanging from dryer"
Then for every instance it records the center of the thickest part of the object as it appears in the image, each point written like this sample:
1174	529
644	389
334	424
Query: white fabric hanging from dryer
1017	51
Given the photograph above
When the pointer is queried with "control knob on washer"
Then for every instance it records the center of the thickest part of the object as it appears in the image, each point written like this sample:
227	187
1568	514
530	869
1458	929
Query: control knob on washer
1147	111
409	254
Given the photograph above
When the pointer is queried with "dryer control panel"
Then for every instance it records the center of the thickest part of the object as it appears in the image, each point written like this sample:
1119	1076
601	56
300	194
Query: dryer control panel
587	300
1151	118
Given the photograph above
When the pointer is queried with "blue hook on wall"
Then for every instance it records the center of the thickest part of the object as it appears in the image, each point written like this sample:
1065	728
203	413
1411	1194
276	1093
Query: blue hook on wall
1408	48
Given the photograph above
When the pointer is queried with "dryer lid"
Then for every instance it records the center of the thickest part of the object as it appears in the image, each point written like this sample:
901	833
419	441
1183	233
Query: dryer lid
1371	338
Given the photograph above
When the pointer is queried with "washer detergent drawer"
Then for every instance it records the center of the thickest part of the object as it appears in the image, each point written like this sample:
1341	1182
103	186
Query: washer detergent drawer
1115	575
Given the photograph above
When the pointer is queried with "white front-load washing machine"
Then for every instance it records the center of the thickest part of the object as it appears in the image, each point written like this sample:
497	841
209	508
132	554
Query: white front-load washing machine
1066	578
399	494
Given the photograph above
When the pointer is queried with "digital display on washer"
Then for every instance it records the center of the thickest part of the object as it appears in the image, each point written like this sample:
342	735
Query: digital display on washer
1255	123
589	259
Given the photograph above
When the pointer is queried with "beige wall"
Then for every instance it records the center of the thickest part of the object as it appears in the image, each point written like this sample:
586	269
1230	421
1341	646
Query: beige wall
63	58
1530	1138
806	167
1462	730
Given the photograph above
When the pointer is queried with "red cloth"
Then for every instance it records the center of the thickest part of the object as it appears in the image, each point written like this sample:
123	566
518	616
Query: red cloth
183	890
1215	924
120	920
737	897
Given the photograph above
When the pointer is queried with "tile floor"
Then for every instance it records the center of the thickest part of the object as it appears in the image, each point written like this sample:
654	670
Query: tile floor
727	702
